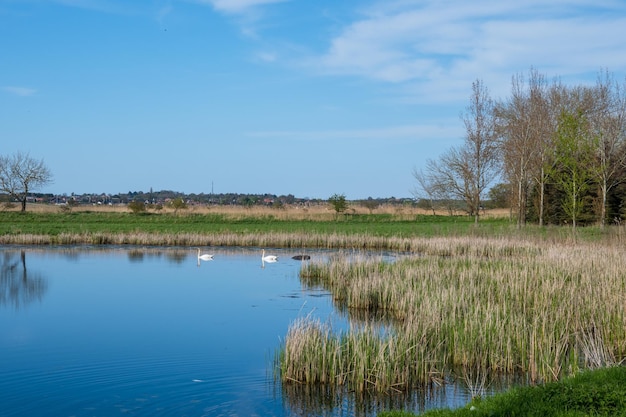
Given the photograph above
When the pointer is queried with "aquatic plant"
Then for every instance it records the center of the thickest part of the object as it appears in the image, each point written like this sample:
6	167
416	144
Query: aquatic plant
492	306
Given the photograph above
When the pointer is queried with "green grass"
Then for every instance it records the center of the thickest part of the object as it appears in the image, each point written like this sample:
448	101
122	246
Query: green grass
94	222
377	225
592	393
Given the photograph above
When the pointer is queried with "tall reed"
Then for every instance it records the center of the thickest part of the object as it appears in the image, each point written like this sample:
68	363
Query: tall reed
435	246
488	305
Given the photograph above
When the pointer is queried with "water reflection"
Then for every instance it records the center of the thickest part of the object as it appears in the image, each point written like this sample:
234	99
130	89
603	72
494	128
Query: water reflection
142	329
310	401
176	256
18	285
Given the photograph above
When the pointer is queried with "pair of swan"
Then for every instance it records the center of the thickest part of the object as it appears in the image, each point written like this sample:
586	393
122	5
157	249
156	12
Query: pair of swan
264	257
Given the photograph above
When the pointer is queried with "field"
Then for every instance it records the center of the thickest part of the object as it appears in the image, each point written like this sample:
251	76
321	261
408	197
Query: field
316	226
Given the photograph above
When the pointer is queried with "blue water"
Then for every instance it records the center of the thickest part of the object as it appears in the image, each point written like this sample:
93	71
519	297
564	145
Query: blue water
104	331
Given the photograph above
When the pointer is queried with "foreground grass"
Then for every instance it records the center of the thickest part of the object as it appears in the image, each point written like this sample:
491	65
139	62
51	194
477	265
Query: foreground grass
598	393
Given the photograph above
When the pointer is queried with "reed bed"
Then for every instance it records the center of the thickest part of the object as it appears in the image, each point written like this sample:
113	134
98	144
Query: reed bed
490	306
442	246
314	211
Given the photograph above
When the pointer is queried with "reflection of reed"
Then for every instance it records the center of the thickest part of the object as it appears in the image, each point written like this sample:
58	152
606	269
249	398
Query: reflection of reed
175	254
318	400
18	286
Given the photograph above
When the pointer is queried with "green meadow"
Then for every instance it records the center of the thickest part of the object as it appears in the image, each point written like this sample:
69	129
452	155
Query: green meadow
56	227
383	225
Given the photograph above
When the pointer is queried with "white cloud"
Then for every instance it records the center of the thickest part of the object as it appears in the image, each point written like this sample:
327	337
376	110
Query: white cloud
266	56
238	6
106	6
429	46
20	91
444	130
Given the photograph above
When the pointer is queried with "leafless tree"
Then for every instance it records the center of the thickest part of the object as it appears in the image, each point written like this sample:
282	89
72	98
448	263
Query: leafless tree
608	126
522	127
465	172
20	174
479	157
545	161
433	185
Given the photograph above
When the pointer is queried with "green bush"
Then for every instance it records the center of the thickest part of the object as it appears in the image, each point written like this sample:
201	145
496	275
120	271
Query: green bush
593	393
137	206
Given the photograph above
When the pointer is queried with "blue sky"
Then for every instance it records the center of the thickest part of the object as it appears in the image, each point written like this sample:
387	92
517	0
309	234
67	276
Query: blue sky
303	97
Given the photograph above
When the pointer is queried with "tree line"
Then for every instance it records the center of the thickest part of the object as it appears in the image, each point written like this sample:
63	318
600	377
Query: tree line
21	176
557	152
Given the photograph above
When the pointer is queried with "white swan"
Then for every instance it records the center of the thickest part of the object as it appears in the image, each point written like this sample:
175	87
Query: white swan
204	257
268	258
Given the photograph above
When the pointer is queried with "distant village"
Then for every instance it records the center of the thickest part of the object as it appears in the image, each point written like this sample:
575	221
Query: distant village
164	197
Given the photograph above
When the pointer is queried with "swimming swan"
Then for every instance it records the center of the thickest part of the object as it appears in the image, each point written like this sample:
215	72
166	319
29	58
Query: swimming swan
204	257
268	258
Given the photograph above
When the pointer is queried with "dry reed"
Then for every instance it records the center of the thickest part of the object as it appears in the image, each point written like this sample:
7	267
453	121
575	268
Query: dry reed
489	305
452	246
318	212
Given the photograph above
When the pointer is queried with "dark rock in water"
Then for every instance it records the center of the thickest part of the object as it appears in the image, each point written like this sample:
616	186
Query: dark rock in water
301	257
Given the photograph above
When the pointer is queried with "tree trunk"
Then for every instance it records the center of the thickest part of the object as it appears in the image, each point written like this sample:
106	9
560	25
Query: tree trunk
542	192
521	203
603	207
23	204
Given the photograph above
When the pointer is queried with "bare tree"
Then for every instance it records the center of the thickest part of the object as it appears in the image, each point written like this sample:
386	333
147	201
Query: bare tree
465	172
20	174
479	157
425	189
608	126
448	179
521	124
546	147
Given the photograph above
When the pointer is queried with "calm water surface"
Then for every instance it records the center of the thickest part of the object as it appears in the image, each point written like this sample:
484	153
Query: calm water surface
105	331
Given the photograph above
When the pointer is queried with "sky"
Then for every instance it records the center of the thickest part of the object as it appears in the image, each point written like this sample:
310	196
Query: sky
303	97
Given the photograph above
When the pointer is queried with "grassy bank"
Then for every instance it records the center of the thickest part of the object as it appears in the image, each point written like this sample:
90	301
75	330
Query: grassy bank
212	223
465	308
598	393
288	228
382	231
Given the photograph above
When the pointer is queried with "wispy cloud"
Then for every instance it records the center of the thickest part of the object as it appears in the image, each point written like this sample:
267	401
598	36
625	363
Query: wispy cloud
238	6
443	130
106	6
19	91
266	56
434	45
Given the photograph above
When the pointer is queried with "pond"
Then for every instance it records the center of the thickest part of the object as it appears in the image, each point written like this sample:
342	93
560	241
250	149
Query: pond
102	331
